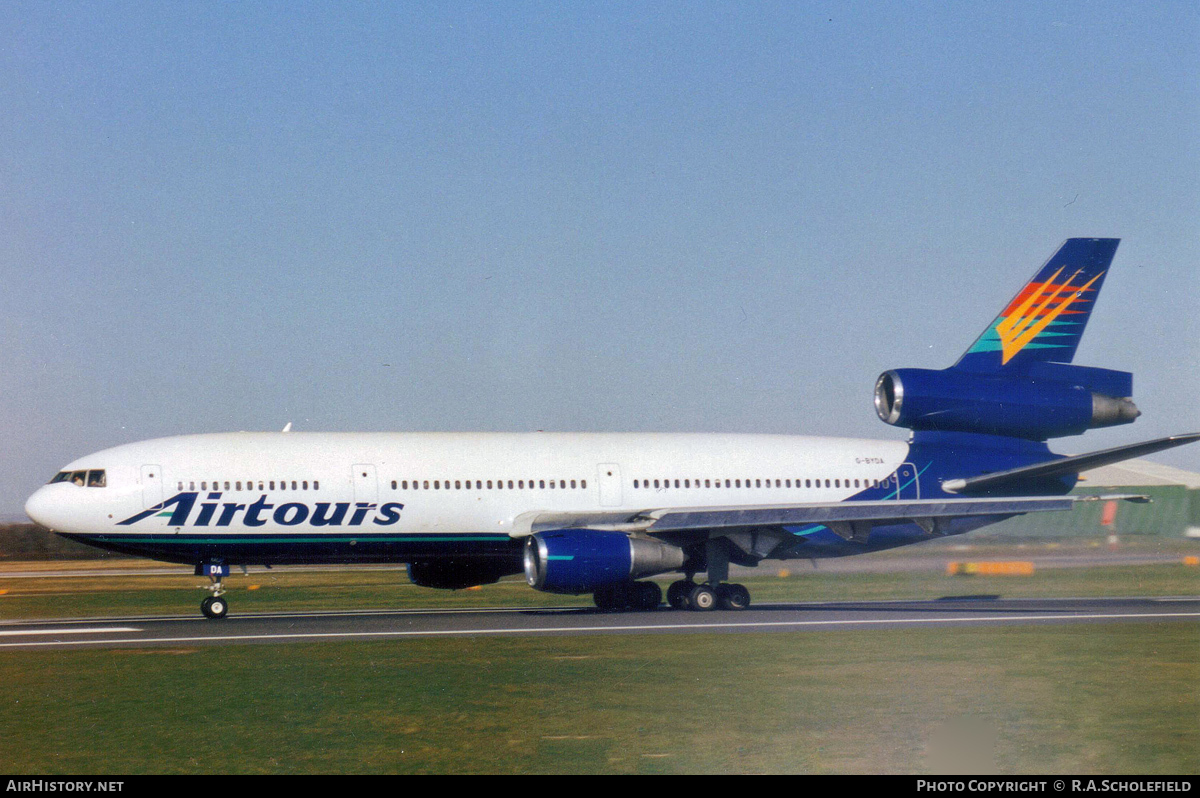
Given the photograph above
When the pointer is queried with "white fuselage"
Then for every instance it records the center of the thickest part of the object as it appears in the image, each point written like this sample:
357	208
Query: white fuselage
446	483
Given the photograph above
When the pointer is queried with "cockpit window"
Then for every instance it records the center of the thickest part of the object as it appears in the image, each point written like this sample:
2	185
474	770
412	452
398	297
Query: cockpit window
93	479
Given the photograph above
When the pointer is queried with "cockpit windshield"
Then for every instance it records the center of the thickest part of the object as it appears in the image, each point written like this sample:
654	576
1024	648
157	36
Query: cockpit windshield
94	478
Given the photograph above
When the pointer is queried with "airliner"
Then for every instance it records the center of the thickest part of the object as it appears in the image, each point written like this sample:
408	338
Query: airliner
600	513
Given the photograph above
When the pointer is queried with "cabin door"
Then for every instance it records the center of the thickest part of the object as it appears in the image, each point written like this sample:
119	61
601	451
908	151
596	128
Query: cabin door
152	489
905	482
366	488
610	484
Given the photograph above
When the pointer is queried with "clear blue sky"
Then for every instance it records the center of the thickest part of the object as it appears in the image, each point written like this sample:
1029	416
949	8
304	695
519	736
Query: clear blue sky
571	216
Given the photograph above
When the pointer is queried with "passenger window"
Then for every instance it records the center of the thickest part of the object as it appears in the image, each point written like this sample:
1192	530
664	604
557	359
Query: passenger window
304	484
583	484
239	484
572	483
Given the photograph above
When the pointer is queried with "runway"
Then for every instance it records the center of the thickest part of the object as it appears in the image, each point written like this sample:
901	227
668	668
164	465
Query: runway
795	618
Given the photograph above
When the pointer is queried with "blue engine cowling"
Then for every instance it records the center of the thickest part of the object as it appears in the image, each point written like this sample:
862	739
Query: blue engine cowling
582	560
1034	407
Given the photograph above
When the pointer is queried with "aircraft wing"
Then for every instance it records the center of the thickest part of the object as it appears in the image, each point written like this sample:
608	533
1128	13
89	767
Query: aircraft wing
844	518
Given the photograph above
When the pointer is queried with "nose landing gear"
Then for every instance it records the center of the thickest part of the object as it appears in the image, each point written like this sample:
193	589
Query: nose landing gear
214	607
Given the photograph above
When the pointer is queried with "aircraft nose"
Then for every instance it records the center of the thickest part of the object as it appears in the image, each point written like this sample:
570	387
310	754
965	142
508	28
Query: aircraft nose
41	508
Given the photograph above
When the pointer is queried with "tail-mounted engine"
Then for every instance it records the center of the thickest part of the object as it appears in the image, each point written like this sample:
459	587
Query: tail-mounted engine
1048	400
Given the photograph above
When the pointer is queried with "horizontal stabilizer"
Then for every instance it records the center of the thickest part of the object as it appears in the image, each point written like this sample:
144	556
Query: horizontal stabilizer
1065	465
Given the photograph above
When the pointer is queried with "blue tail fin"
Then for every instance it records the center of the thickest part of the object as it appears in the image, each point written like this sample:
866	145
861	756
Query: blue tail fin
1045	320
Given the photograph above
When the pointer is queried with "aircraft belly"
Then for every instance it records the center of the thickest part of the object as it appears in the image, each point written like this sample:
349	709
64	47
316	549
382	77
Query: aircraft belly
302	547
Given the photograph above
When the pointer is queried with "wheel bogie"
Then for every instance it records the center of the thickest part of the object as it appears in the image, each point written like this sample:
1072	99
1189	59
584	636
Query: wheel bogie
626	596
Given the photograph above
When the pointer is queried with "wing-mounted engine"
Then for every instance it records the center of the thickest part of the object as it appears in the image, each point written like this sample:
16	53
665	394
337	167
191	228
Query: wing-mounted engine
1045	400
583	560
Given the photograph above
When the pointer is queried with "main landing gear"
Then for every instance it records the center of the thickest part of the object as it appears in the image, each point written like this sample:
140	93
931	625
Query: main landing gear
687	595
682	595
214	607
629	596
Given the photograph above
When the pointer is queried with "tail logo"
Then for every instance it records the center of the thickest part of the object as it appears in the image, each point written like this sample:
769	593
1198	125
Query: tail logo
1034	313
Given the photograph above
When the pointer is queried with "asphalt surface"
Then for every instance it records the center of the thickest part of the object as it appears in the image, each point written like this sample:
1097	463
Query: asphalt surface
296	627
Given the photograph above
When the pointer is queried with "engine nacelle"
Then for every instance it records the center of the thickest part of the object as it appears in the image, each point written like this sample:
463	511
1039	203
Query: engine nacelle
1032	406
582	560
457	574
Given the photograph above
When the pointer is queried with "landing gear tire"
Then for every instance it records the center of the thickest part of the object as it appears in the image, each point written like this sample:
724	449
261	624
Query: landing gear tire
649	596
644	596
678	592
702	598
608	598
214	607
733	597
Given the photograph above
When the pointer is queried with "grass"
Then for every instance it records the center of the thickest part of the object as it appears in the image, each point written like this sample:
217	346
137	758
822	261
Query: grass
97	596
1096	698
1115	698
